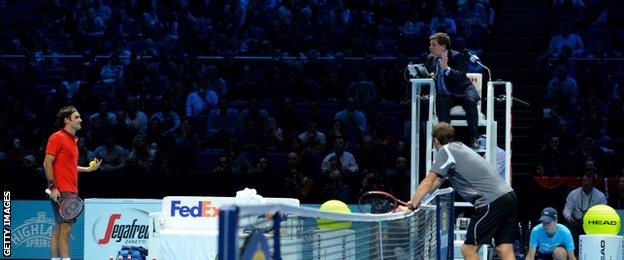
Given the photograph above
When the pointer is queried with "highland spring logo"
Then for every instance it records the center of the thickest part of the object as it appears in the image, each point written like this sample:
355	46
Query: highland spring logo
35	232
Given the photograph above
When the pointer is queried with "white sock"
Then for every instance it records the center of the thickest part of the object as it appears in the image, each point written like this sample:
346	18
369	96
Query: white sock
55	258
66	258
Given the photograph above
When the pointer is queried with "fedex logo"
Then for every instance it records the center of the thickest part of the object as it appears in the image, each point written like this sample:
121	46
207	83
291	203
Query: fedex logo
203	209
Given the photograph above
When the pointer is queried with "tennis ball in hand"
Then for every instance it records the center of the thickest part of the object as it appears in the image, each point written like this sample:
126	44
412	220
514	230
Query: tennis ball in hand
334	206
92	164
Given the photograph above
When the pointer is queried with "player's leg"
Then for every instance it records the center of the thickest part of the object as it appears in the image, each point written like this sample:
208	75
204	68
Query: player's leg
54	239
506	206
480	231
470	252
505	251
559	253
63	239
54	249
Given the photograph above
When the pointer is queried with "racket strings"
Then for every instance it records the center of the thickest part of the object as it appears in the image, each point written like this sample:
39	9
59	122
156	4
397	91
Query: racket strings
379	203
71	207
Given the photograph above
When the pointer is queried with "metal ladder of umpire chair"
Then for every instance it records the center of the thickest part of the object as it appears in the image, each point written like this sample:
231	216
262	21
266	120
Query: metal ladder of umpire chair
486	121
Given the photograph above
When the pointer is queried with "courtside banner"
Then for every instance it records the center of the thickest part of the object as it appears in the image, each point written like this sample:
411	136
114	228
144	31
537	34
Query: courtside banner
32	223
190	212
110	224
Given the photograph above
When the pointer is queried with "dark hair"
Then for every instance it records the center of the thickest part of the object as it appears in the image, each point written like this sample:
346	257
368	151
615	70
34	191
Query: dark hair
65	112
442	39
444	133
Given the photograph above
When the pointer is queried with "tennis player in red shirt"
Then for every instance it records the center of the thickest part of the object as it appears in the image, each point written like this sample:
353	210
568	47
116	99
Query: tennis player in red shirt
61	170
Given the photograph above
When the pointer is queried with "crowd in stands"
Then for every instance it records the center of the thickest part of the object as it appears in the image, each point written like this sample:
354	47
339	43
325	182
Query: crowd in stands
583	105
163	87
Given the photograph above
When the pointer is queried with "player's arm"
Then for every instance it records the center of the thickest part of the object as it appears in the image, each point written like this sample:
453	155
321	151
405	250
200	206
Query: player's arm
47	167
531	254
92	167
49	172
438	182
426	186
568	208
571	255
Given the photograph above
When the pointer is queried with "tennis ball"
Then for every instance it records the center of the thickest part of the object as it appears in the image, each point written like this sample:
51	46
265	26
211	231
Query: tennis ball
334	206
92	164
601	220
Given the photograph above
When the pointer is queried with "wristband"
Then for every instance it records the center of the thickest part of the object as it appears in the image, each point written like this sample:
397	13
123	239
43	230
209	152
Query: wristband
51	185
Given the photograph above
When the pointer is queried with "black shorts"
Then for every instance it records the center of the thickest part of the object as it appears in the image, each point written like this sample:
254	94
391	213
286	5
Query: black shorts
55	209
496	220
541	256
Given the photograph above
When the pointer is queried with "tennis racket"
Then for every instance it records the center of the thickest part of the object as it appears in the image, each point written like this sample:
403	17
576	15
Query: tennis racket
70	206
380	202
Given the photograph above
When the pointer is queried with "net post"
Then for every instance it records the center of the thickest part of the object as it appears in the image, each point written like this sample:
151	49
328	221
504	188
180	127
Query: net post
277	252
445	215
379	233
228	226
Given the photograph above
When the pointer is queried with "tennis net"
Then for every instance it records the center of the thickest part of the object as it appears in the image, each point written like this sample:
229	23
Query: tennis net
286	232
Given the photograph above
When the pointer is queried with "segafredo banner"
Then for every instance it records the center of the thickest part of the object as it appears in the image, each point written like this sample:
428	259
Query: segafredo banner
113	223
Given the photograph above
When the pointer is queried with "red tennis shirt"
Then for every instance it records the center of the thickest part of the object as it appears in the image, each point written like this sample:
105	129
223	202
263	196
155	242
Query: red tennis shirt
63	146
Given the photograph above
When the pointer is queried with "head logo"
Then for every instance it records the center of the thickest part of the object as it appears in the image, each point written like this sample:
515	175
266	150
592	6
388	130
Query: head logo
601	222
203	209
127	227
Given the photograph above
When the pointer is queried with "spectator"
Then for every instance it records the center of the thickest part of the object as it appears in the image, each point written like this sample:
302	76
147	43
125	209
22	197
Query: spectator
313	139
472	18
124	133
210	77
442	23
369	154
223	167
112	155
200	101
169	120
113	72
336	186
186	143
565	44
100	123
398	175
346	159
363	92
579	201
222	123
616	199
299	186
553	159
71	83
239	165
135	118
140	159
263	168
563	91
353	122
253	124
276	138
91	26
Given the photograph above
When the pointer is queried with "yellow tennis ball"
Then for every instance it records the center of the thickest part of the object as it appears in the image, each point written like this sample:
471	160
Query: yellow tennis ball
601	220
334	206
92	164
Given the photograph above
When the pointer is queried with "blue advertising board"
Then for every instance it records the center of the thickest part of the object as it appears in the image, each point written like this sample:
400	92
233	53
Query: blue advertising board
32	224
